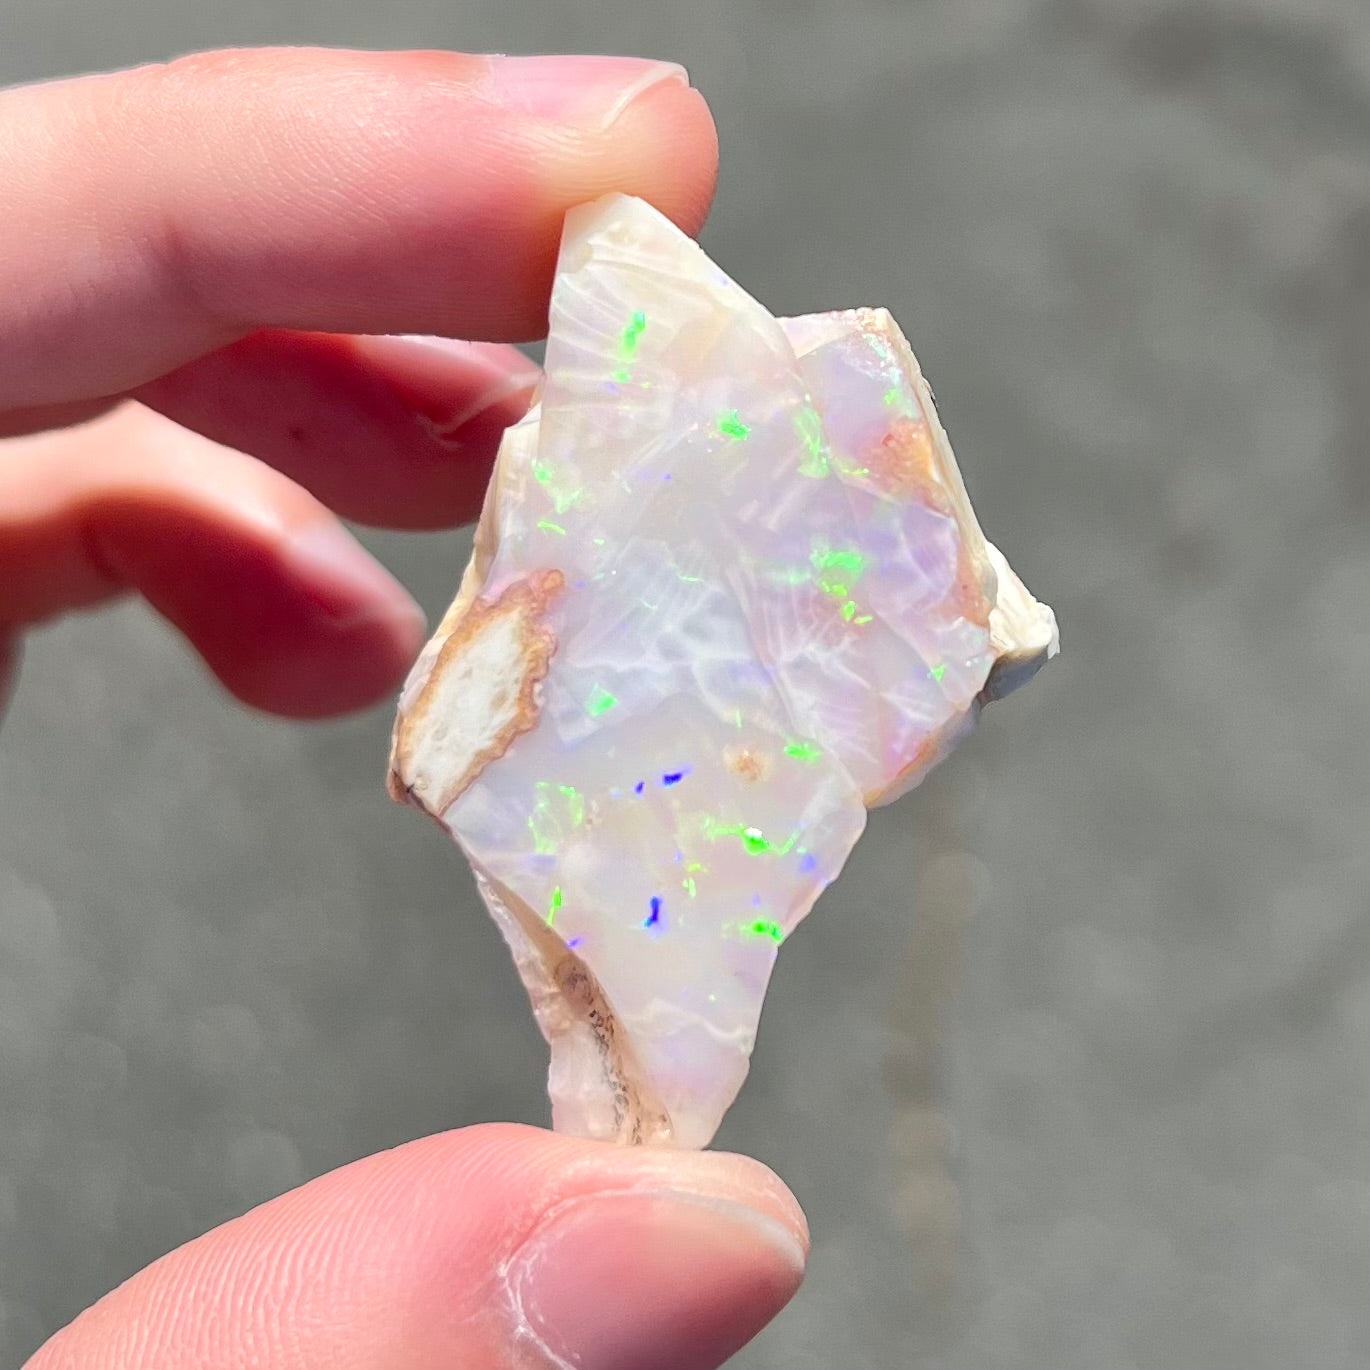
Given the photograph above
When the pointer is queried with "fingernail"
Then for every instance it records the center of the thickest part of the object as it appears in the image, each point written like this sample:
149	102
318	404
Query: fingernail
448	380
674	1281
577	90
347	583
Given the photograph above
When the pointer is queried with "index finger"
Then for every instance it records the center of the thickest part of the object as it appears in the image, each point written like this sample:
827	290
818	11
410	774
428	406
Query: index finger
155	215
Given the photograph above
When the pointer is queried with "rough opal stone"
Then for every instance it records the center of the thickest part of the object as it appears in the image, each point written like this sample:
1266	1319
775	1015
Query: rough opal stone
727	593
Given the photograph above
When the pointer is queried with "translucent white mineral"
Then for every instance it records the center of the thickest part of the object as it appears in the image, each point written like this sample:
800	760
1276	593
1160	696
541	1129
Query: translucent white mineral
727	592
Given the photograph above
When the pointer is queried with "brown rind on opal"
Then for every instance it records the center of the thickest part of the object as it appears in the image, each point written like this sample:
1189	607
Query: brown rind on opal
523	605
637	1119
902	465
936	465
576	1017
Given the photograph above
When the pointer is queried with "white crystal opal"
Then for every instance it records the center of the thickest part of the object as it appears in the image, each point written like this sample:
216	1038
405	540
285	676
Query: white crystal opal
727	592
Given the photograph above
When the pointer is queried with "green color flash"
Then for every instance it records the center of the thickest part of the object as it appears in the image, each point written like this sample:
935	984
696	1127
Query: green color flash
575	804
849	562
688	885
839	559
556	810
541	822
892	396
938	671
764	927
814	462
548	526
600	702
732	427
752	837
541	472
803	751
632	333
553	904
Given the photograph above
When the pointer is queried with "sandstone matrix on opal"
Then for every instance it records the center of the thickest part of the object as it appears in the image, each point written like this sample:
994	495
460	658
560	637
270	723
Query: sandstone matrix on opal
727	592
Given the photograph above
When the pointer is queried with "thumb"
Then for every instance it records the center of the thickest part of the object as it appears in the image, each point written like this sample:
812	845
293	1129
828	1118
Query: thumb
494	1248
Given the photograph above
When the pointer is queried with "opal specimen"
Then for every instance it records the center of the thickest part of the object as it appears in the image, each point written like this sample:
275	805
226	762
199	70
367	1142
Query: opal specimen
727	593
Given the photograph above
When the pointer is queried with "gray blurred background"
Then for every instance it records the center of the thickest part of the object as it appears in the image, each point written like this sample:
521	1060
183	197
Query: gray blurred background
1072	1069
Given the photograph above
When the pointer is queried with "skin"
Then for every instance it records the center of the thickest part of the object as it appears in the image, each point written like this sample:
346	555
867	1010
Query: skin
201	262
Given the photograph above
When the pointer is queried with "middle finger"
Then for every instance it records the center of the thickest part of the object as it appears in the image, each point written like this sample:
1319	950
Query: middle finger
398	432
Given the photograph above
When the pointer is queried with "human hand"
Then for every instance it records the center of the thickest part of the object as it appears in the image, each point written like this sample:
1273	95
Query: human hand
200	253
195	261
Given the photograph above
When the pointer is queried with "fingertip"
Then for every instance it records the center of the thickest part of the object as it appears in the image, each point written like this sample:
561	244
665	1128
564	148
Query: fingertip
638	1256
312	191
488	1247
768	1193
334	631
662	147
329	673
587	1253
664	1278
389	430
573	1166
670	135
